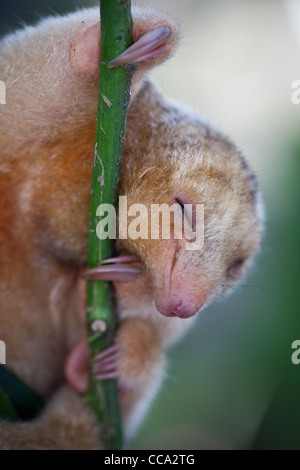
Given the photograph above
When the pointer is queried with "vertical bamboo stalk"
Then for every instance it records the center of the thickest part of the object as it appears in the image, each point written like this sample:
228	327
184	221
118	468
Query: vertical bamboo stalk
113	100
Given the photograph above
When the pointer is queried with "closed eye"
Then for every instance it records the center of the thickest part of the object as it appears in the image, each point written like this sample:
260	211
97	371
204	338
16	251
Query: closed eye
235	266
237	263
188	210
181	203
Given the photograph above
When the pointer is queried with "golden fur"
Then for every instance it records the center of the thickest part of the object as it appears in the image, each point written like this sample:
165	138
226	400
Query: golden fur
47	134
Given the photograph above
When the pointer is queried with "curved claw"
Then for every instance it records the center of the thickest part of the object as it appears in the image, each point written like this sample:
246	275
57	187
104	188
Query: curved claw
107	352
105	364
118	269
146	47
116	272
120	259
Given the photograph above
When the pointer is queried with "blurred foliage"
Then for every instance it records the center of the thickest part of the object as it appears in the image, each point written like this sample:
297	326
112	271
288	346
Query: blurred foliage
15	13
231	383
280	426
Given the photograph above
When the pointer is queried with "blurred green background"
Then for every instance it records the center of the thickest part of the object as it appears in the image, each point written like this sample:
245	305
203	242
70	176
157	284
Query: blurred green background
231	383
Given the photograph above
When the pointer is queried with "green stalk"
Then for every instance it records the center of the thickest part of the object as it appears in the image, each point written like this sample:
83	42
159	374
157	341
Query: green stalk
113	100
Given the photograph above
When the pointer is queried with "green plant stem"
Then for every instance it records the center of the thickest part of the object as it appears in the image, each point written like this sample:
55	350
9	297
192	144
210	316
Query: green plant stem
113	100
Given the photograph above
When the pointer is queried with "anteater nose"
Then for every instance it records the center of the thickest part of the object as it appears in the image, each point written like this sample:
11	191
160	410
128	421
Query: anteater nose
178	307
183	310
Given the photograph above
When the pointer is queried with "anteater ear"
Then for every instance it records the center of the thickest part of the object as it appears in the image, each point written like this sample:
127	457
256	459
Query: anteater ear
85	50
76	367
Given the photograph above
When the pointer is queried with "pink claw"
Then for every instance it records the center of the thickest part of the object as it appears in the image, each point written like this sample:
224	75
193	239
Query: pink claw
105	364
121	259
113	375
116	272
106	352
146	47
124	268
107	361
